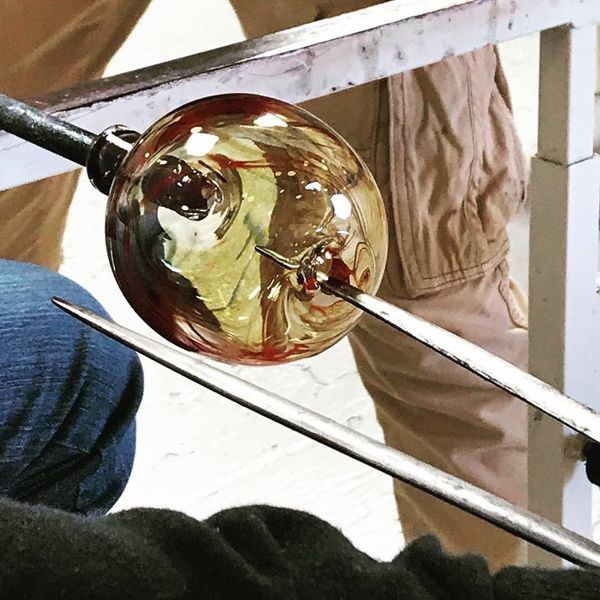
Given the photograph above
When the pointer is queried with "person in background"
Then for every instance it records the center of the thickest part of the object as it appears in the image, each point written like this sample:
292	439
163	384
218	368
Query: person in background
442	145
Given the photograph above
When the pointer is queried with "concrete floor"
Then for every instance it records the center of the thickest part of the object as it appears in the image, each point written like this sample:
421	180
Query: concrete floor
199	453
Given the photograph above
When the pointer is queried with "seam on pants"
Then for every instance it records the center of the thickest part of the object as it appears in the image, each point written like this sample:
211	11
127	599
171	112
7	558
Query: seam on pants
469	204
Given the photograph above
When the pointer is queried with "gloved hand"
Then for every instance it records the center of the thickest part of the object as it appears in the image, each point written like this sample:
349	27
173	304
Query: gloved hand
591	454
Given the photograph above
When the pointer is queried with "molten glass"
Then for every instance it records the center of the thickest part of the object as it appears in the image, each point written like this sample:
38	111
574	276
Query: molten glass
211	181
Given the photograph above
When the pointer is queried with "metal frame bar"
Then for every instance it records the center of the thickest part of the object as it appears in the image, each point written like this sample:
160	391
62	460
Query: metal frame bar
295	65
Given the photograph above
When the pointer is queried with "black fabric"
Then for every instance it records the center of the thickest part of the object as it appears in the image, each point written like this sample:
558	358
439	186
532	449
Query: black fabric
251	553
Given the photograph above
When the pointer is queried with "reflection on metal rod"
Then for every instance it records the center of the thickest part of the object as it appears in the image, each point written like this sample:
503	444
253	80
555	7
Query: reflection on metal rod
486	365
521	522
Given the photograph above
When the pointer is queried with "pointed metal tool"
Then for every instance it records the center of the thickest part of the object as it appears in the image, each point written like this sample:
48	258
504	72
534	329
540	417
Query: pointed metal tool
486	365
519	521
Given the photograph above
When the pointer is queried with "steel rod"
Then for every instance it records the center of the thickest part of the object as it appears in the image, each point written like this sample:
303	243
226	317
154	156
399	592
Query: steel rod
482	363
486	365
514	519
45	130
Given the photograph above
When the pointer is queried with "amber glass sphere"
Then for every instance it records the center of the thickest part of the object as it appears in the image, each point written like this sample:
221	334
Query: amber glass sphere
208	183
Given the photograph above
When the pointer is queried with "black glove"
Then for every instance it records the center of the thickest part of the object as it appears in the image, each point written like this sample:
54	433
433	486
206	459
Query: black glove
591	453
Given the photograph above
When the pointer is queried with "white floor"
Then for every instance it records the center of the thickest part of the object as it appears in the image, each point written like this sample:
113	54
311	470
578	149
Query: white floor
199	453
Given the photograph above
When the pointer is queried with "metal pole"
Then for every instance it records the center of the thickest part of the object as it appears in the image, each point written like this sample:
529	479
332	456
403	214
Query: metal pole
45	130
495	510
482	363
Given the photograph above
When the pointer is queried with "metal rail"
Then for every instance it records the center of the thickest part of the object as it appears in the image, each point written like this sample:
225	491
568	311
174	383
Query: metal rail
295	65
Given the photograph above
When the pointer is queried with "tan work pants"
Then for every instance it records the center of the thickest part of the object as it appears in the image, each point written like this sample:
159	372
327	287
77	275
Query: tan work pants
442	145
47	46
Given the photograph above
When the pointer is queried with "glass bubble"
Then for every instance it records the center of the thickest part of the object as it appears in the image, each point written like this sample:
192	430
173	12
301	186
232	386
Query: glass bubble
208	183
